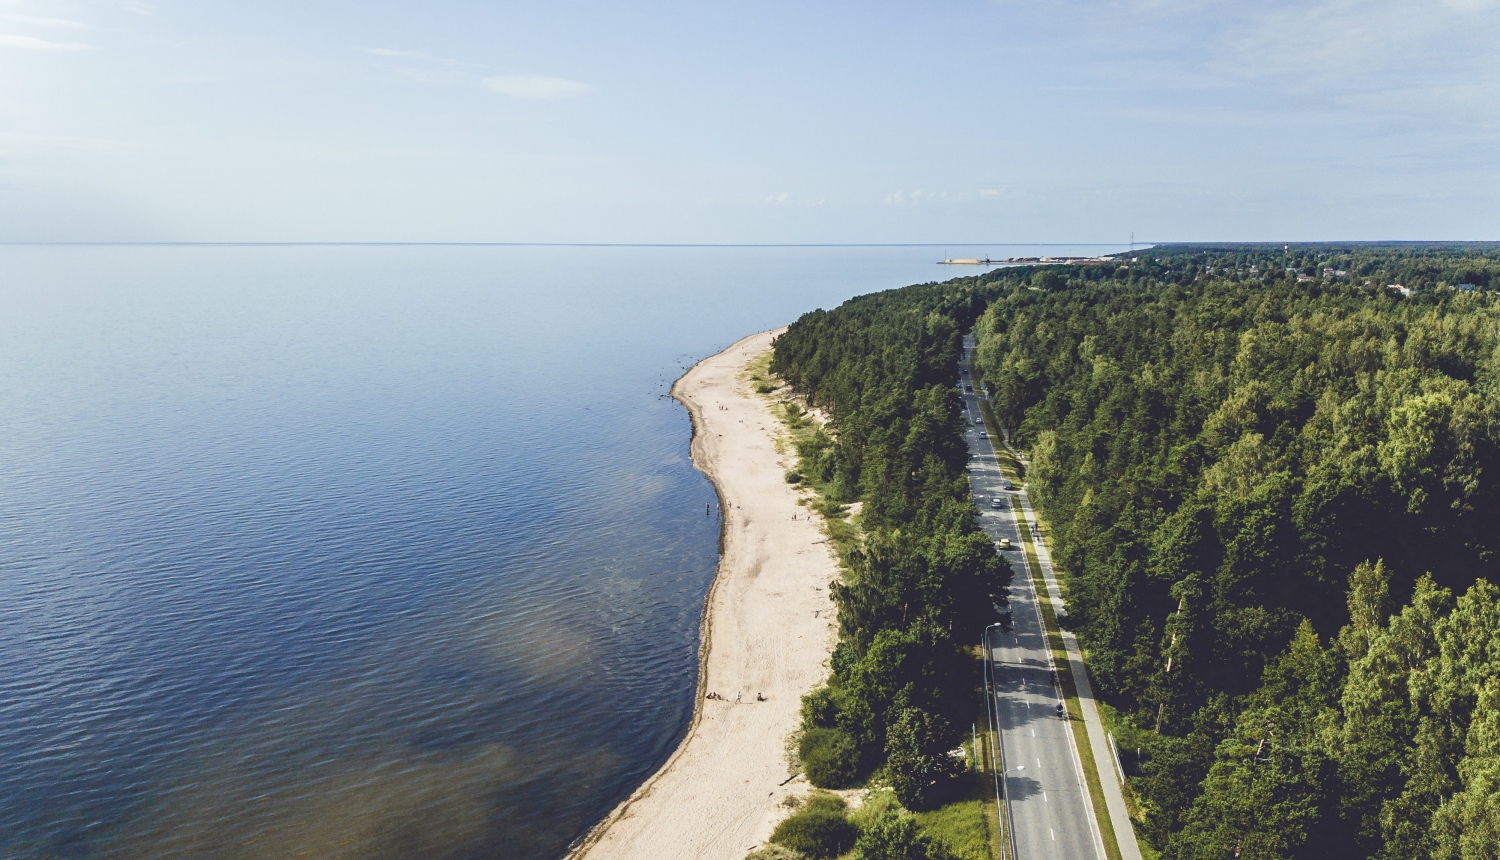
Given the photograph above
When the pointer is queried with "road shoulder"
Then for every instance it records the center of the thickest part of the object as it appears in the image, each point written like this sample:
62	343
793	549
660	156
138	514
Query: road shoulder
1118	831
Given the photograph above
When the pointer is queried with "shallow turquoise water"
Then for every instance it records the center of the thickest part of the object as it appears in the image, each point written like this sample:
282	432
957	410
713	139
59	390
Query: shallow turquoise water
358	551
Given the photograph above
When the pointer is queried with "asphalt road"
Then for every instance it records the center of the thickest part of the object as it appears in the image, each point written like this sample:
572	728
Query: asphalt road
1049	807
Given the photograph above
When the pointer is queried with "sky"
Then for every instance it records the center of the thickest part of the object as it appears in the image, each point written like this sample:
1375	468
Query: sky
737	122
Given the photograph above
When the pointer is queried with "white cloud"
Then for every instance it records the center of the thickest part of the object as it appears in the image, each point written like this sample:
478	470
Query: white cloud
138	7
898	198
395	54
44	22
785	198
391	52
33	44
535	87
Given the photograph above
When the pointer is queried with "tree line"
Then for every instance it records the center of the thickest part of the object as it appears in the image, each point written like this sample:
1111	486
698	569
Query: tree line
921	578
1274	503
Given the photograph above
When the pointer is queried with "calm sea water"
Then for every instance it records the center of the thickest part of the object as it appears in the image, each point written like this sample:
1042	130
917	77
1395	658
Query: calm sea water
370	552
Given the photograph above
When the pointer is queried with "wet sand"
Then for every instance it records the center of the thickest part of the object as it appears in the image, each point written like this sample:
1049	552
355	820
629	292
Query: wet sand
768	629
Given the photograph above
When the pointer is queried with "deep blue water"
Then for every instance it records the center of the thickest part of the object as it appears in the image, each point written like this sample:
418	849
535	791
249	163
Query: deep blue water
364	552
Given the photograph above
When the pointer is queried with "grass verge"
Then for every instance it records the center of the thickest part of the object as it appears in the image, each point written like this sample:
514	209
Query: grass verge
990	805
960	825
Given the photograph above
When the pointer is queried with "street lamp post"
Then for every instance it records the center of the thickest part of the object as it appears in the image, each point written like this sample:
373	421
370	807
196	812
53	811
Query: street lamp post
992	710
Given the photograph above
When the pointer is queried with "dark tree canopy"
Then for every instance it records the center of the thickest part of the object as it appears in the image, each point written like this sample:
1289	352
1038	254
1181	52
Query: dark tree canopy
1251	457
1273	485
923	580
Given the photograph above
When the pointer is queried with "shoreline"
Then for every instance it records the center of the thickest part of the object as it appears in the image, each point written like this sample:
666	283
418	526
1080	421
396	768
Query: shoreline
766	629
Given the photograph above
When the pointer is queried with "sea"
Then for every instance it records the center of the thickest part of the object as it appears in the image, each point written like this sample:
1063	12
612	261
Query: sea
374	551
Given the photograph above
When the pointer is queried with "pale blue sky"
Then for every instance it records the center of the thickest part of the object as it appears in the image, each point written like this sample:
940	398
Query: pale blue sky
948	121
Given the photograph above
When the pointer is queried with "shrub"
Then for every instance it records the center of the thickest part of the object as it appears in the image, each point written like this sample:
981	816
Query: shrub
829	758
921	771
793	478
825	801
829	509
820	709
773	852
895	837
817	831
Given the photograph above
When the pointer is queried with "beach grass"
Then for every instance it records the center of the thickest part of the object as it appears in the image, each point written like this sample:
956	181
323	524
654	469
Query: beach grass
807	437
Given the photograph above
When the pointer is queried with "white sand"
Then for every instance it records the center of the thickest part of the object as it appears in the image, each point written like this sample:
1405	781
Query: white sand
768	628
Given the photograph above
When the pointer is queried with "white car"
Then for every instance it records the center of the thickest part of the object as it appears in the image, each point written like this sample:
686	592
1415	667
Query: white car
997	502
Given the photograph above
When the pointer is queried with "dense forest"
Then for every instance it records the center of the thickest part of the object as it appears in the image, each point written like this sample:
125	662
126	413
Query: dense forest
921	580
1271	482
1270	479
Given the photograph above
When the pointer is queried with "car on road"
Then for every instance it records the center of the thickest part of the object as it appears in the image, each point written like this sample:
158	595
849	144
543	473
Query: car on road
997	502
1007	485
1002	544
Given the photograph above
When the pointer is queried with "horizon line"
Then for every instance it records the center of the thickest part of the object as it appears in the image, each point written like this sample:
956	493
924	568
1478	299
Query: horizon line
1139	244
588	244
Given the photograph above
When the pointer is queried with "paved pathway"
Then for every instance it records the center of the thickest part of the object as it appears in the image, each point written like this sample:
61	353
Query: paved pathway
1109	775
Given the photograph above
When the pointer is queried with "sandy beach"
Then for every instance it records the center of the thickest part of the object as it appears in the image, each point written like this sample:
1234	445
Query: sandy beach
768	630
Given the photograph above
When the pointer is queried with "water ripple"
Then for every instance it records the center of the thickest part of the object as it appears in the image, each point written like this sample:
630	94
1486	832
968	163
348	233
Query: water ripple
321	552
